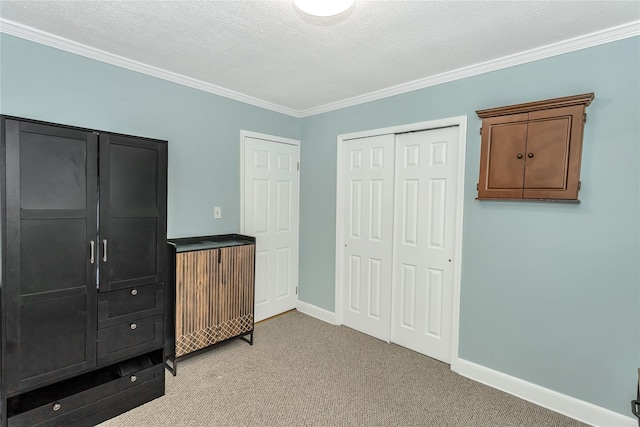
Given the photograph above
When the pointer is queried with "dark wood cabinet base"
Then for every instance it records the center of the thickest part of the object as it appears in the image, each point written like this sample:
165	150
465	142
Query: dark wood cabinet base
92	397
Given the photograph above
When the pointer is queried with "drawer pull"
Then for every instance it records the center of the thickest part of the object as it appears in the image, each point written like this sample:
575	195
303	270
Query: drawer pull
133	378
56	406
133	326
134	292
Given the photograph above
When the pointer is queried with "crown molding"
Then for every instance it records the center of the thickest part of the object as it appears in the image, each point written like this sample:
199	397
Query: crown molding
594	39
48	39
620	32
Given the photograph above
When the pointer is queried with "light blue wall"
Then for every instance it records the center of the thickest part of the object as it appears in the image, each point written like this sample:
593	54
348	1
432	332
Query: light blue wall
550	292
203	130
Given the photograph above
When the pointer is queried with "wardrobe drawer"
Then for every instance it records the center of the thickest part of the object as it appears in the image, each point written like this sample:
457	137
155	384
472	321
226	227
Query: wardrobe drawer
56	411
128	339
127	305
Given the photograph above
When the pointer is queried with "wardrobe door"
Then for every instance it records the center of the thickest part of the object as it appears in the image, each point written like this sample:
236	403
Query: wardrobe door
132	211
51	186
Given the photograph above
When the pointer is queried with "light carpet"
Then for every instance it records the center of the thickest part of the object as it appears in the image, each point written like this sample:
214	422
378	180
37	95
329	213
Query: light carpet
305	372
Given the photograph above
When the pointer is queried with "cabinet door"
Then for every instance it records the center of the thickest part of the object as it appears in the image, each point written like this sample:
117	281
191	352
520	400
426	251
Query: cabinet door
51	187
132	211
197	295
235	304
554	149
502	157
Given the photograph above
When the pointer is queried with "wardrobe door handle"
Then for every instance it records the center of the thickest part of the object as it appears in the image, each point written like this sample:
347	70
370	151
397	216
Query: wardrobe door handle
93	248
104	250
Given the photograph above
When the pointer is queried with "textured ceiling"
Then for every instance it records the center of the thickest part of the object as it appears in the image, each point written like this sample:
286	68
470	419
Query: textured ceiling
271	51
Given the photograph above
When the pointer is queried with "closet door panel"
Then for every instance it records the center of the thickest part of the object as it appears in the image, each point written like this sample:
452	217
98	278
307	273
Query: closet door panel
132	211
425	205
51	185
367	232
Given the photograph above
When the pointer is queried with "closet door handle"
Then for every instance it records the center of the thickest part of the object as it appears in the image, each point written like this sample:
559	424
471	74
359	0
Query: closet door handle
104	250
93	249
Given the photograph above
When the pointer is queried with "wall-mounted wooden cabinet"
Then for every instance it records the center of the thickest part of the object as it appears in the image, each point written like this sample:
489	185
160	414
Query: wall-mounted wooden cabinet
533	150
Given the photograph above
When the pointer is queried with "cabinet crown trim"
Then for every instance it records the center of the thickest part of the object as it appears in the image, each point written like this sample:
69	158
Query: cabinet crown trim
567	101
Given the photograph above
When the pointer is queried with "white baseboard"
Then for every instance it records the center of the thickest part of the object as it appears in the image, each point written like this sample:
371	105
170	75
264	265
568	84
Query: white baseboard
317	312
558	402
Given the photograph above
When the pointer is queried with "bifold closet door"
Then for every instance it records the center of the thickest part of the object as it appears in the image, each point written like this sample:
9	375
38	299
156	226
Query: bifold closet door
399	228
368	226
424	231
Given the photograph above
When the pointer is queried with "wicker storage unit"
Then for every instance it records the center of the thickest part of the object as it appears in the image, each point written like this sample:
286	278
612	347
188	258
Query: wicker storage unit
213	293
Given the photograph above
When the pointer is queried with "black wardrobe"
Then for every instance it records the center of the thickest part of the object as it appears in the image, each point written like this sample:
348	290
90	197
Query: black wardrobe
83	222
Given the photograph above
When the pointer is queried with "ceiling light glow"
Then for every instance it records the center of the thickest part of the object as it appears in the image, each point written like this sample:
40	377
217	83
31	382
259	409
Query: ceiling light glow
323	7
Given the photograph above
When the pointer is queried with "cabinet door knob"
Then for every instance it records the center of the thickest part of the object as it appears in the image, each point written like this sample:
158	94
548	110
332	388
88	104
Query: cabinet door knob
519	156
530	155
133	378
134	292
56	406
133	326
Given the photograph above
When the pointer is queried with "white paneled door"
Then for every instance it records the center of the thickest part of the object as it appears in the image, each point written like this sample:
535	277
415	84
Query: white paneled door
399	203
270	213
368	210
424	227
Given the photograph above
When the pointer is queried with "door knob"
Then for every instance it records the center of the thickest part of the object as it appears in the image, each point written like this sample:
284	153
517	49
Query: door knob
530	155
519	156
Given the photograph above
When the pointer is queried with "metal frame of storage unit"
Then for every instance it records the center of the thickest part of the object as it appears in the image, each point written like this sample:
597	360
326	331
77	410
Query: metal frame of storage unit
212	286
